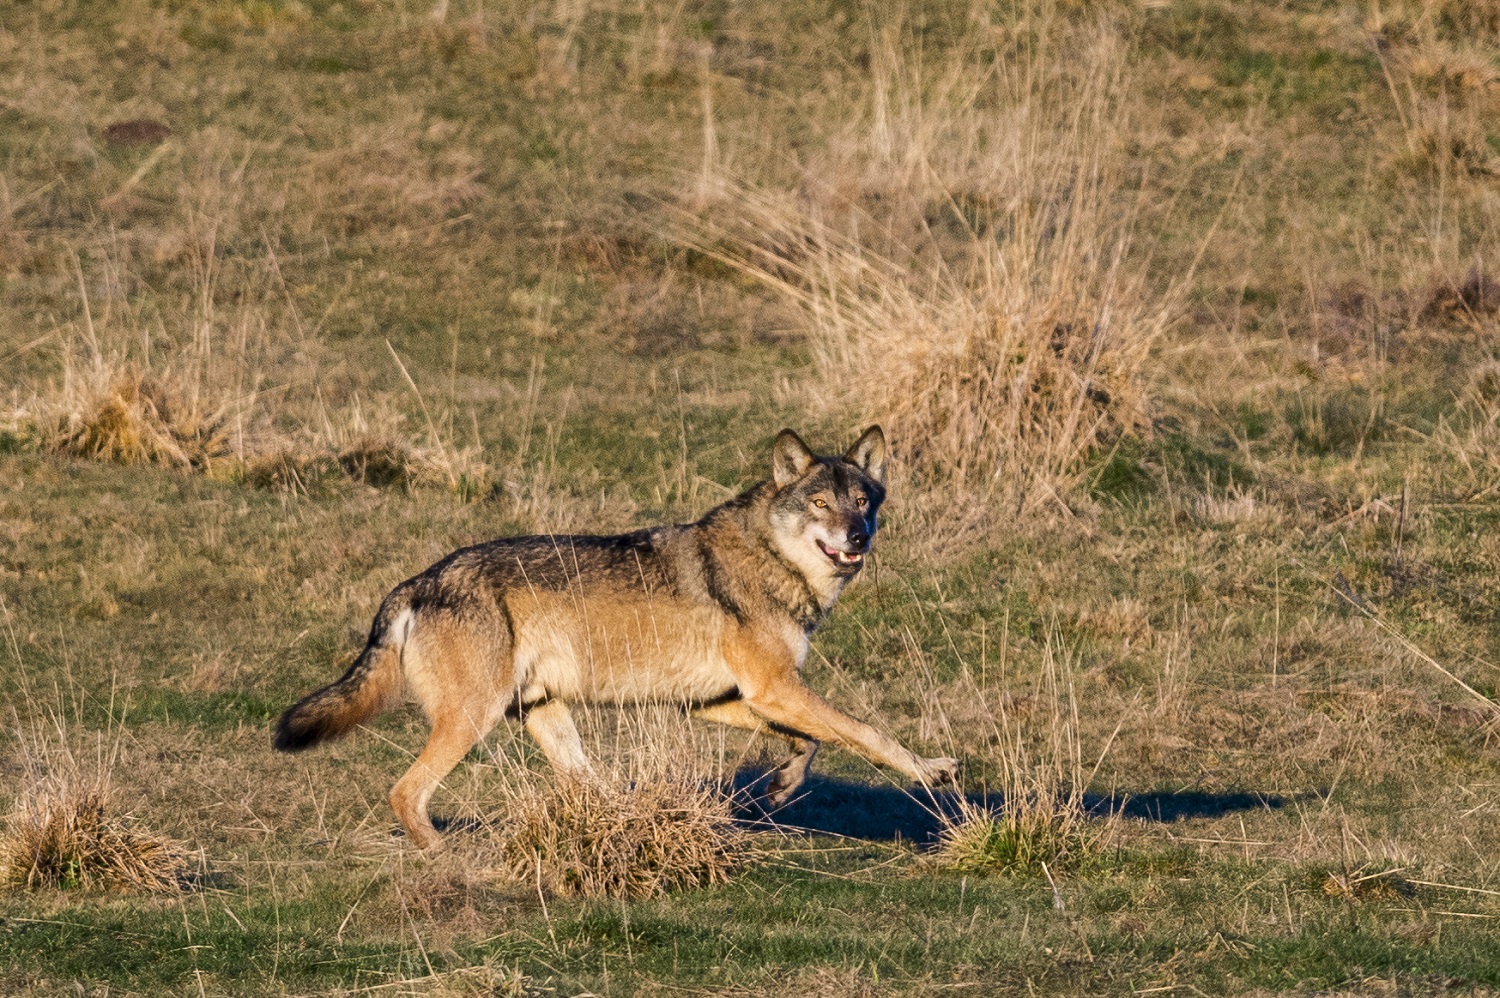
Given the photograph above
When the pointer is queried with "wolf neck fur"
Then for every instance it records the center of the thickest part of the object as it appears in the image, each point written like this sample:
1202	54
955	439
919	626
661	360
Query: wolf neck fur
773	579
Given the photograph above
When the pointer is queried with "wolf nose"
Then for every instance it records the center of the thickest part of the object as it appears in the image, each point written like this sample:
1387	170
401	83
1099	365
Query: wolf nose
859	539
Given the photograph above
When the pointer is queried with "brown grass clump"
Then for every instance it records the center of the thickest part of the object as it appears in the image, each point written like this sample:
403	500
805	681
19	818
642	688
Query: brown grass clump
131	392
293	470
620	839
66	827
65	835
379	462
1471	301
1357	885
373	445
995	317
132	417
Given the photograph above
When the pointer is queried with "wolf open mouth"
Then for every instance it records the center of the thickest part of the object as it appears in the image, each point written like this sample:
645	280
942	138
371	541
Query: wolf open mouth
842	559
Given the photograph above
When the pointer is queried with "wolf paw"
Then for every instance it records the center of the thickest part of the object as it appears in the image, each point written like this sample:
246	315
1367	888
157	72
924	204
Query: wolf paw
786	781
936	772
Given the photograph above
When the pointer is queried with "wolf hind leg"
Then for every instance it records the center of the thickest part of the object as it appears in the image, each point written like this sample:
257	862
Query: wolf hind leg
462	675
789	776
453	735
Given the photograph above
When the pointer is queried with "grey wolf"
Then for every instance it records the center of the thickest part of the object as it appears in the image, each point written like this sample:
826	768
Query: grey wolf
715	615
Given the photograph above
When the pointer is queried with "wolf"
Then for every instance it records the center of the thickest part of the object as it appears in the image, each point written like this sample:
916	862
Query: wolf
715	615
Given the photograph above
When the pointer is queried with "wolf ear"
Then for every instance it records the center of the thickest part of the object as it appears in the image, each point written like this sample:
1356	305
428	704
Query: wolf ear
868	453
790	458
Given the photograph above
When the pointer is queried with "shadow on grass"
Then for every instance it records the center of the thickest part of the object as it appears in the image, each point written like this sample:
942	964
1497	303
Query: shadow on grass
831	806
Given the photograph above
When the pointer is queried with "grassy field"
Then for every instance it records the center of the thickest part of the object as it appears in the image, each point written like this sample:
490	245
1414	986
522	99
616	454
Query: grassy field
1181	316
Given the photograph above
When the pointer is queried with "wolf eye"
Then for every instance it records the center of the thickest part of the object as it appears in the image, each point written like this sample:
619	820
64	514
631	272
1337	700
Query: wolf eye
860	501
820	504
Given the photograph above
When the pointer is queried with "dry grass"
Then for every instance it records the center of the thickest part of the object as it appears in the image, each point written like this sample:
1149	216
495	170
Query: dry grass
137	387
381	179
1441	71
619	838
656	816
373	445
1044	823
1031	834
125	415
966	266
67	834
1472	436
67	828
131	391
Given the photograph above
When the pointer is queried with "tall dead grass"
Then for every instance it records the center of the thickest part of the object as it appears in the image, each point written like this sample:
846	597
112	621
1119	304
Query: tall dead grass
964	259
1471	437
176	370
204	388
136	387
1438	62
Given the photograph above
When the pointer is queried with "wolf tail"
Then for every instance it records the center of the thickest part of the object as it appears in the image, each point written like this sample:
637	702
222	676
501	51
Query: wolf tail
366	688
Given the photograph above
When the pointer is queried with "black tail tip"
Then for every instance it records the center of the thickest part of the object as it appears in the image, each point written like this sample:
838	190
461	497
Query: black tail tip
295	733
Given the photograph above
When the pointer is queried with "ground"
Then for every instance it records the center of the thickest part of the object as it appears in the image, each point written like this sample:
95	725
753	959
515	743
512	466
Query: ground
297	297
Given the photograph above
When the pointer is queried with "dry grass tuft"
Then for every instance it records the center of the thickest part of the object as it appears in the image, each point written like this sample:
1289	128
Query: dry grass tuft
67	834
1046	823
379	462
132	390
373	449
1472	300
1357	885
376	448
67	829
1031	833
293	470
620	839
130	416
1472	436
996	317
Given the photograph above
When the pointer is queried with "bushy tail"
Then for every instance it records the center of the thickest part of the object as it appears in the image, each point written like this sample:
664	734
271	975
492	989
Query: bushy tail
370	685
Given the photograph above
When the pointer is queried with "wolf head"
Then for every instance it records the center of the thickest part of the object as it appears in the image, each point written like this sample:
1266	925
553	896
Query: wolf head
823	514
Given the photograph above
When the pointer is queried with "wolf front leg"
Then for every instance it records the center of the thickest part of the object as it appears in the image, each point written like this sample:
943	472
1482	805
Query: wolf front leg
551	724
792	773
771	687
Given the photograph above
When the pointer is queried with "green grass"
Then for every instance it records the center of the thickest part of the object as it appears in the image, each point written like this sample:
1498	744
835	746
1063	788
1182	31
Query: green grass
903	931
